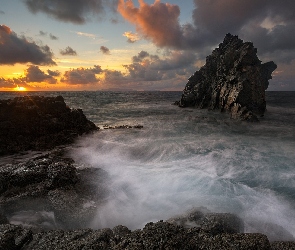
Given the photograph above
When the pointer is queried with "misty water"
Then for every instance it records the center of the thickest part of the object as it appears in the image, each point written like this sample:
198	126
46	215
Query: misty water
189	158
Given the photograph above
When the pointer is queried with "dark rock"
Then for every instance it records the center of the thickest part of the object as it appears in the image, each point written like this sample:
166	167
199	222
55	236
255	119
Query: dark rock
233	79
211	223
14	237
38	123
50	192
3	219
283	245
160	235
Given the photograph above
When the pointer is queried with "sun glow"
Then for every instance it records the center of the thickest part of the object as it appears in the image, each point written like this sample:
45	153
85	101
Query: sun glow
20	89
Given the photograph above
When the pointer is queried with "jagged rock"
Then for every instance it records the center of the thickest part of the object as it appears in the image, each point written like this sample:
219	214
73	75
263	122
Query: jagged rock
50	192
160	235
14	237
211	223
38	123
283	245
233	79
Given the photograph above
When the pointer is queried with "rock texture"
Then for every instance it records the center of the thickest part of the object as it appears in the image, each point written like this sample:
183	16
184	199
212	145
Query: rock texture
160	235
233	79
50	192
38	123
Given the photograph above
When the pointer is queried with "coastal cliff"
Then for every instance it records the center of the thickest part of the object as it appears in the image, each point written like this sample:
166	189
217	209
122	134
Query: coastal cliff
233	80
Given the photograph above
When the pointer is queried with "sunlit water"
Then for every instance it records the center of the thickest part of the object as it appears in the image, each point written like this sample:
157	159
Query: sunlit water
187	158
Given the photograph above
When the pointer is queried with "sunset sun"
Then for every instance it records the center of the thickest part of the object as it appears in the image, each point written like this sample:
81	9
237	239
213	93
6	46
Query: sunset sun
20	89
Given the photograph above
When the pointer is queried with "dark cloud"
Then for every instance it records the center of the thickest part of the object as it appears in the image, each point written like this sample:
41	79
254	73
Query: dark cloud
6	83
13	83
68	51
141	55
269	24
42	33
34	74
53	73
146	67
53	37
14	49
77	11
104	50
82	75
113	77
2	12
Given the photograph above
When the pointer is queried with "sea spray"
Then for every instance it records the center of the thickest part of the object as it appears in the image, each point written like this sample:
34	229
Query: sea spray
170	167
187	158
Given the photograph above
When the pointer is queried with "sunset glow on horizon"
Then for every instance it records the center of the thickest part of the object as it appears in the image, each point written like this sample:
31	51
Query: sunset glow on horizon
20	89
138	45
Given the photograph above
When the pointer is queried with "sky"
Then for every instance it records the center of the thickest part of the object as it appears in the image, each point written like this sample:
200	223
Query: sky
62	45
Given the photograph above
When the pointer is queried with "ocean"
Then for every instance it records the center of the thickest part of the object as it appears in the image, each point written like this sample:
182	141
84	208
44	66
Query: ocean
185	158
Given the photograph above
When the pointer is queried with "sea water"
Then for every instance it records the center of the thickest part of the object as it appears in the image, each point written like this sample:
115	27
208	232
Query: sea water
185	158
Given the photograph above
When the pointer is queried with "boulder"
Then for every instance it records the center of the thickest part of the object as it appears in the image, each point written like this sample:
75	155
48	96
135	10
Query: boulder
39	123
233	79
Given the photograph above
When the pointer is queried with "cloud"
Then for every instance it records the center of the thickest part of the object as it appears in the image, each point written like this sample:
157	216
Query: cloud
269	24
42	33
53	73
82	75
131	37
34	74
13	83
53	37
158	21
68	51
146	67
6	83
104	50
14	49
77	11
2	12
89	35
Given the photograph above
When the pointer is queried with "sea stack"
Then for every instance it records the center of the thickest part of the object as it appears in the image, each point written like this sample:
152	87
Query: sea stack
233	79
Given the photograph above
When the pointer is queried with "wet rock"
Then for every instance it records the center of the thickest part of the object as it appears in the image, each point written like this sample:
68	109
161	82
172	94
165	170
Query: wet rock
211	223
218	223
3	219
50	192
14	237
38	123
233	80
85	239
281	245
160	235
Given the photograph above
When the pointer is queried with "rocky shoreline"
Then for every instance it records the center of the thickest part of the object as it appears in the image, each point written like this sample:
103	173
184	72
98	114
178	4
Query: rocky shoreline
39	123
48	200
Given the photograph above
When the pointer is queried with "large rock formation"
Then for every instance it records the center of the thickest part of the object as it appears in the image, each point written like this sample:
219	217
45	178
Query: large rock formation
38	123
233	79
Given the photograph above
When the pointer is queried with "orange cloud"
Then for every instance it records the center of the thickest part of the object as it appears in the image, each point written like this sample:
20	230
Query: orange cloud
131	37
158	22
